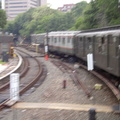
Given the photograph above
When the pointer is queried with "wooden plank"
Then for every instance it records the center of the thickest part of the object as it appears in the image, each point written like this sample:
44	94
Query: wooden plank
76	107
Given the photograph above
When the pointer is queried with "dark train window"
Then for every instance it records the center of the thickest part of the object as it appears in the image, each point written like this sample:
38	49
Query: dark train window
102	40
99	48
81	39
63	41
101	45
88	43
89	39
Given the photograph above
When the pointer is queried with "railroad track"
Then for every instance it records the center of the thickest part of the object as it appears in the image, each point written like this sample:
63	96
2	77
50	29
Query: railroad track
24	70
73	74
33	78
112	87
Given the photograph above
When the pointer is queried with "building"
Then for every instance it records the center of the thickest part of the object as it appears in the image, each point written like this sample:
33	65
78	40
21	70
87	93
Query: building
66	7
15	7
6	42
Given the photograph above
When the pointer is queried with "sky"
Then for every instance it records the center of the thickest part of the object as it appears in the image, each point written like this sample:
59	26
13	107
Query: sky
59	3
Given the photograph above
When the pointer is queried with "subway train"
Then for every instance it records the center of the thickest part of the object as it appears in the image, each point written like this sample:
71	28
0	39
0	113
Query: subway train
104	45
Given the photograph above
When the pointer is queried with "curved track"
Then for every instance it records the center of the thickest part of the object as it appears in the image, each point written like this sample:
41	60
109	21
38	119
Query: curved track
31	73
112	87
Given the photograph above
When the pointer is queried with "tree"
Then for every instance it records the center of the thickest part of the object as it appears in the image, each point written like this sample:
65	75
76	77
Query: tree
0	4
77	11
3	17
39	20
97	13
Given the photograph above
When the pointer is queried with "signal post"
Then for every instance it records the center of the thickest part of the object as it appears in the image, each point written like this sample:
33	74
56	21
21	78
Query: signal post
46	47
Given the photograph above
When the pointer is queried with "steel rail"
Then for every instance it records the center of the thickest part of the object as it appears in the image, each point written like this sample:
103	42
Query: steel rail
24	71
24	89
115	91
73	75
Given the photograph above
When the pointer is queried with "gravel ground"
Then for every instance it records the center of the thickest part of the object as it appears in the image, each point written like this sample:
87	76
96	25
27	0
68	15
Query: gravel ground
51	91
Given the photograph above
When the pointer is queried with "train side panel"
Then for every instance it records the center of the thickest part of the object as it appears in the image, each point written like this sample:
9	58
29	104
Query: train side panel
84	44
113	54
107	53
62	42
105	48
100	51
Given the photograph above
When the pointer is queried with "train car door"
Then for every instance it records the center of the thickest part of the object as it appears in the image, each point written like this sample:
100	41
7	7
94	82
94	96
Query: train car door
113	59
80	48
110	51
89	45
118	53
76	45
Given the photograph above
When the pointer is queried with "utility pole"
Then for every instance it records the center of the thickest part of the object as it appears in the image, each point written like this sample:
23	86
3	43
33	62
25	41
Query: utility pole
46	46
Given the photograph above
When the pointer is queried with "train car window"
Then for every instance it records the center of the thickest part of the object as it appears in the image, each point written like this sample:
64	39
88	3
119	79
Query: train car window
89	43
116	44
103	40
63	41
51	39
80	39
55	40
59	39
68	40
89	39
99	48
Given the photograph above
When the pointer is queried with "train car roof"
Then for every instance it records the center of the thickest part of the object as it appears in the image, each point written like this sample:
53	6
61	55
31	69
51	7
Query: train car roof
38	34
100	33
63	33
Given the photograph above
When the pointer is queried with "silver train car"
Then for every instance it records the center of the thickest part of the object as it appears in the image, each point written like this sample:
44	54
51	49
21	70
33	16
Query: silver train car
104	45
62	42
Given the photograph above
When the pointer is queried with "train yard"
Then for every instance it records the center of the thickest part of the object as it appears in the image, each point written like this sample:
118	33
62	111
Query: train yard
28	78
67	93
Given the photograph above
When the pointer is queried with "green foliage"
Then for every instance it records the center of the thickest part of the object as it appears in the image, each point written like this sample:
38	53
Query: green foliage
3	18
0	4
1	62
40	20
98	13
78	9
79	23
113	13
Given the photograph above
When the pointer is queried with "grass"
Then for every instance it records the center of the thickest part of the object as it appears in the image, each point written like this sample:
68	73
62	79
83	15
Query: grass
1	62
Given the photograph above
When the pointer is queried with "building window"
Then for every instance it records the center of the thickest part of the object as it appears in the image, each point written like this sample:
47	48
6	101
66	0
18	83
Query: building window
15	6
16	3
